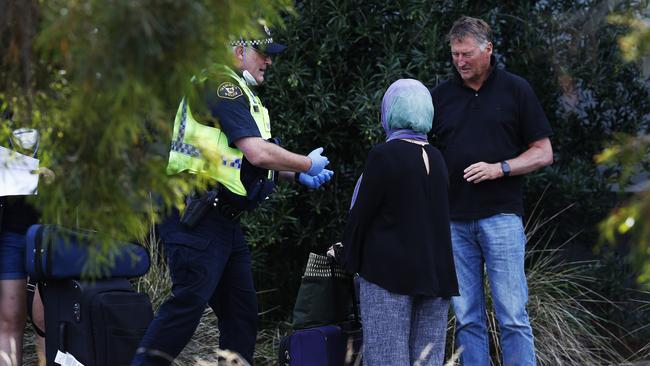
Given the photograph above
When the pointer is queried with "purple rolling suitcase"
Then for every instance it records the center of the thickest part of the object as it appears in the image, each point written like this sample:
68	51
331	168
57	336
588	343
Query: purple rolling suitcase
320	346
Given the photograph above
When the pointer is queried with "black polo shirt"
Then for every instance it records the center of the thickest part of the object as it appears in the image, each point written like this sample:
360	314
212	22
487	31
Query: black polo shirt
495	123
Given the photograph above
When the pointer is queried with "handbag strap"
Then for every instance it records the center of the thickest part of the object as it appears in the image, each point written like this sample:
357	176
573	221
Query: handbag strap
355	307
353	289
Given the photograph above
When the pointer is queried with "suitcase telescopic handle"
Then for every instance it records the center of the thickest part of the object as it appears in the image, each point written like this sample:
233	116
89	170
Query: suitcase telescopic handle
63	327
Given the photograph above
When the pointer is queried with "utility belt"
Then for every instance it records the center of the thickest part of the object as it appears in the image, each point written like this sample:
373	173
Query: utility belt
219	199
198	205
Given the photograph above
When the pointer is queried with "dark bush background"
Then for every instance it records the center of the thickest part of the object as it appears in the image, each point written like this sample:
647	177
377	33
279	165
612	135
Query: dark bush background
325	90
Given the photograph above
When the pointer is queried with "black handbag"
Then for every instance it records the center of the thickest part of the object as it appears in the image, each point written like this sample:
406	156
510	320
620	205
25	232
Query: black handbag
325	295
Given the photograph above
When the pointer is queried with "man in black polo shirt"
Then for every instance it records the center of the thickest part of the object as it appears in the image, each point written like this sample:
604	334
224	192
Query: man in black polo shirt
491	130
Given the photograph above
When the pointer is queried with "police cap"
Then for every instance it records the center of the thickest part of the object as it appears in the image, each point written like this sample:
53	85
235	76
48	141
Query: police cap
264	44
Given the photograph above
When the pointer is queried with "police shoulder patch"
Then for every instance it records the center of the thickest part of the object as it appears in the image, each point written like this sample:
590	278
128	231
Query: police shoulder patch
229	90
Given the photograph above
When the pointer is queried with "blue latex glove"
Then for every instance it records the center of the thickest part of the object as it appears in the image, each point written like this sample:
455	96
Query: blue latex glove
318	162
315	182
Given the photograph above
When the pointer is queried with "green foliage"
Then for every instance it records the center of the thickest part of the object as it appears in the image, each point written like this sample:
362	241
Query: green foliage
628	156
591	96
573	315
636	43
104	80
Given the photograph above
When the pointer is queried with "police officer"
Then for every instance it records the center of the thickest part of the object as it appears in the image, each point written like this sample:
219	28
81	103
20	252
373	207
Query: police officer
209	261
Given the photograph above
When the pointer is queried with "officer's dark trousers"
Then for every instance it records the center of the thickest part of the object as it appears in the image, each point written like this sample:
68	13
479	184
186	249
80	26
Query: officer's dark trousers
209	265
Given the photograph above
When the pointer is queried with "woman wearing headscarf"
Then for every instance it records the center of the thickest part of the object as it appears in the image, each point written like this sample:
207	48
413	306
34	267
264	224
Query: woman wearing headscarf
397	237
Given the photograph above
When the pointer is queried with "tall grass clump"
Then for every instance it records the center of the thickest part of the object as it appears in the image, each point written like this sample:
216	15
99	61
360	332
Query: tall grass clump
566	330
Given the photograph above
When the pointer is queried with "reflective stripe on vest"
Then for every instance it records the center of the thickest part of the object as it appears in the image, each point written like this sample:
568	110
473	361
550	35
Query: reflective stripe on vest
201	149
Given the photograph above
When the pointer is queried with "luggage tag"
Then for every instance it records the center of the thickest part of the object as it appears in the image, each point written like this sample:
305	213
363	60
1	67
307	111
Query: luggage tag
66	359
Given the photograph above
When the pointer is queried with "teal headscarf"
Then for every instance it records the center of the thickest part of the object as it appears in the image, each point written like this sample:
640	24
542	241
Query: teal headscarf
406	110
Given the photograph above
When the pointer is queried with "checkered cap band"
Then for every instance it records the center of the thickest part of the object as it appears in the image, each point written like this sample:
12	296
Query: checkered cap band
255	42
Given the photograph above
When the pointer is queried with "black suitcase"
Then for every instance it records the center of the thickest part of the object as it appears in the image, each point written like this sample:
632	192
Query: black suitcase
99	323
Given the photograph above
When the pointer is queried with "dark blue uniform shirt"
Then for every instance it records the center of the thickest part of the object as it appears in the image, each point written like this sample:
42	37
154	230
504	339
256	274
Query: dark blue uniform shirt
233	113
230	106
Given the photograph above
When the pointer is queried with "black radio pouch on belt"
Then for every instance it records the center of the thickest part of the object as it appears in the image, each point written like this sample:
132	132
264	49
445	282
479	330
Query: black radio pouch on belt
196	207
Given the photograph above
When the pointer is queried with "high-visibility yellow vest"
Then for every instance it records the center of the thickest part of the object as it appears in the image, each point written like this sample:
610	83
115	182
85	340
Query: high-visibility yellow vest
200	149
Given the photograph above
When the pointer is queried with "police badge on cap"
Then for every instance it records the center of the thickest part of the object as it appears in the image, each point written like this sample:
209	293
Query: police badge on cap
266	44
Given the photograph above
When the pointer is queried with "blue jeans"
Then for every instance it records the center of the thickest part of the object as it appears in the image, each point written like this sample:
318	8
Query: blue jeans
401	329
498	242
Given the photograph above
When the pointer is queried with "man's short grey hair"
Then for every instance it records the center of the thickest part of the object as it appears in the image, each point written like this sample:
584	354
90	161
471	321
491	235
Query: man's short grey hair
475	28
